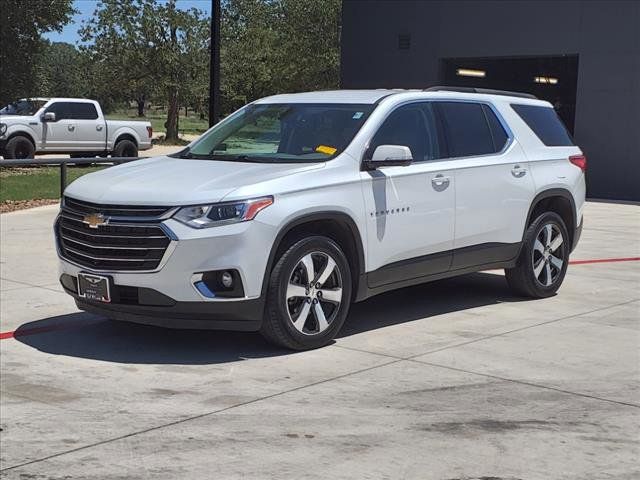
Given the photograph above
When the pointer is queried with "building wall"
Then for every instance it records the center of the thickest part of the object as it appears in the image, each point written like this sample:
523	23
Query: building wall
605	35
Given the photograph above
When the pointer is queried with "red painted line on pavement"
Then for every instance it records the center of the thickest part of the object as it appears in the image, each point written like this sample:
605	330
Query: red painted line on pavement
604	260
32	331
52	328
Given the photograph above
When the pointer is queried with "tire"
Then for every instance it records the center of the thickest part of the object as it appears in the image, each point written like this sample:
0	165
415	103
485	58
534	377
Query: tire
125	148
543	260
289	297
19	147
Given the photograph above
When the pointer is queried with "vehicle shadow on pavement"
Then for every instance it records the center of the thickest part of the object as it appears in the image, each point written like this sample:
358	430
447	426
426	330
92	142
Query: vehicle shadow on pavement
428	300
89	336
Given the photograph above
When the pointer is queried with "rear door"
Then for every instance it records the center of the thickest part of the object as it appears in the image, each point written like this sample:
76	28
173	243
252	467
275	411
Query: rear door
90	127
494	187
410	210
61	134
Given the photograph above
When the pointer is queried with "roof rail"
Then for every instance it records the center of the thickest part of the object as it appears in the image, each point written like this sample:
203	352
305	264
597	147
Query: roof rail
487	91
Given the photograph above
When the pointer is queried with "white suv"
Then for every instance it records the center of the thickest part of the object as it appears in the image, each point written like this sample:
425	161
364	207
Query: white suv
296	205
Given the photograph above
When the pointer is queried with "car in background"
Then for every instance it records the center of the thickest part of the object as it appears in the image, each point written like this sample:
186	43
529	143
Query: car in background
72	126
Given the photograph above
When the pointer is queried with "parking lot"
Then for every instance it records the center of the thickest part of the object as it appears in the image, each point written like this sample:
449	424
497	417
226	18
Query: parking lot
451	380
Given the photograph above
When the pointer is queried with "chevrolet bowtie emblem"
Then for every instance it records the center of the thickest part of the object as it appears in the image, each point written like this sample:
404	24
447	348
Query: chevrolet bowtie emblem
95	220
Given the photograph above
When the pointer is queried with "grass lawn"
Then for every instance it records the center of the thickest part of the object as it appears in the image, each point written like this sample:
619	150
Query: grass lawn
190	124
36	183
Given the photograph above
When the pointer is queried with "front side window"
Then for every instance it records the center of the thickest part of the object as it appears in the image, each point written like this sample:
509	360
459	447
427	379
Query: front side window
61	109
282	133
466	129
412	126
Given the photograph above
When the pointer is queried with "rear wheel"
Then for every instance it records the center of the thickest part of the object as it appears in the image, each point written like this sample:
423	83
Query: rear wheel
308	295
125	148
543	261
19	147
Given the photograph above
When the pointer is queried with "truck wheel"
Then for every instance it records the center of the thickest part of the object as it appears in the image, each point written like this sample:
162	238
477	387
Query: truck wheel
308	296
125	148
543	260
19	147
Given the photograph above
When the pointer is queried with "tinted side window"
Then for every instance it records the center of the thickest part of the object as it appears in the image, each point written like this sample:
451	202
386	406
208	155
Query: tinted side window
545	123
498	133
413	126
61	109
466	129
84	111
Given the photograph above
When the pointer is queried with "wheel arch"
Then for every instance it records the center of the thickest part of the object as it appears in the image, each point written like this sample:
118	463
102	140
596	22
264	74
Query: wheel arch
22	133
558	200
125	136
338	226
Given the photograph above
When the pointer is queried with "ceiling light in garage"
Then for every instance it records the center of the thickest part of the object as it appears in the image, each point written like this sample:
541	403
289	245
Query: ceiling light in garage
467	72
549	80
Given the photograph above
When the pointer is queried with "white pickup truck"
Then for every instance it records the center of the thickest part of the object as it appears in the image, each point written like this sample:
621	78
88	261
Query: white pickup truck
72	126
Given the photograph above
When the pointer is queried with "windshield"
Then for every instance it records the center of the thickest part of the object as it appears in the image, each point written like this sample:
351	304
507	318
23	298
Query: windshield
23	107
282	133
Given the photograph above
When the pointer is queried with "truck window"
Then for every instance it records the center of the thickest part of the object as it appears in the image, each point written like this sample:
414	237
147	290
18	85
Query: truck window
61	109
84	111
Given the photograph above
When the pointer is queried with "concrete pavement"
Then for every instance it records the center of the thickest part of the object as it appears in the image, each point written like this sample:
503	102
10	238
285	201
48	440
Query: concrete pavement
452	380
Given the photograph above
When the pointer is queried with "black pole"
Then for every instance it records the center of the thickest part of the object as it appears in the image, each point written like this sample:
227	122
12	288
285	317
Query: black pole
214	67
63	178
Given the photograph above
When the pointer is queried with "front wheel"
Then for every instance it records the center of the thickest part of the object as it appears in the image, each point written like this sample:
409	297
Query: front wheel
19	148
543	260
308	296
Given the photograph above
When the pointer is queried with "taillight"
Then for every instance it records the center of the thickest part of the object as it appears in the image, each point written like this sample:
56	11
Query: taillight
579	161
150	131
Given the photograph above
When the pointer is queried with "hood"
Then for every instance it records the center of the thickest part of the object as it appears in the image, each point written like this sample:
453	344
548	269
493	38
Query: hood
171	181
15	118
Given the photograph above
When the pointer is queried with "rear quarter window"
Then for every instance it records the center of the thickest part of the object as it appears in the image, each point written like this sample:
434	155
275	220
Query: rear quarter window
545	123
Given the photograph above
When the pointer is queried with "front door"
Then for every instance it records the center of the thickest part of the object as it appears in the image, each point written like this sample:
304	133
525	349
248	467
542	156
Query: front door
410	210
59	135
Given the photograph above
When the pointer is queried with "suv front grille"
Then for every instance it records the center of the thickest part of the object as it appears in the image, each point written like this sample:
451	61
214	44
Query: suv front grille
122	244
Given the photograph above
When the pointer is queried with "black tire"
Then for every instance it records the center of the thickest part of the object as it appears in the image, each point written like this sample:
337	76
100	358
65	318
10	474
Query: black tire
125	148
19	147
278	326
537	272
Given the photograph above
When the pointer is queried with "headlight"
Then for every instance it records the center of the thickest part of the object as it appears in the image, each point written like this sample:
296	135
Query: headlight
3	128
204	216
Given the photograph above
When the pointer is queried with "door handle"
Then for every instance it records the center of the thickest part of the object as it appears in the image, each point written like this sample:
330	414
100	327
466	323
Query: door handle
71	128
518	171
99	128
440	182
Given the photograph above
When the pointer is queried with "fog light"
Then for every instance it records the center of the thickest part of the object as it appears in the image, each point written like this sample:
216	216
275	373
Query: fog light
227	279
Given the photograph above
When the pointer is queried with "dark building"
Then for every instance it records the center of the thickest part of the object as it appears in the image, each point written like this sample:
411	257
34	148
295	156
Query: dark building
583	56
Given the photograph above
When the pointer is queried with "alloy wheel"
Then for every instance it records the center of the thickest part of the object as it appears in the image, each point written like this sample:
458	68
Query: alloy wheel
314	293
548	255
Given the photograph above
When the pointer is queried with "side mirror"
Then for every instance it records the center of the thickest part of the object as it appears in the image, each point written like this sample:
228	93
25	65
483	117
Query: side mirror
49	117
389	156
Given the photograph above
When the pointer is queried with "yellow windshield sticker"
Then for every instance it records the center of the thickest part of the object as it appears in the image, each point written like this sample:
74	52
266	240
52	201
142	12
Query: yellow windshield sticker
325	149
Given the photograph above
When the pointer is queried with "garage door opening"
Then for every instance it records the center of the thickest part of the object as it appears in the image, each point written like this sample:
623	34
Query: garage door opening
551	78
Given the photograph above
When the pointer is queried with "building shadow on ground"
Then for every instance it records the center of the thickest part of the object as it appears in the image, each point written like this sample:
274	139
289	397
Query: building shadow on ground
88	336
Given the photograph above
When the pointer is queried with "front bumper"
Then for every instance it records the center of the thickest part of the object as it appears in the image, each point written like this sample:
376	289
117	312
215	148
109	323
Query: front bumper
149	307
167	296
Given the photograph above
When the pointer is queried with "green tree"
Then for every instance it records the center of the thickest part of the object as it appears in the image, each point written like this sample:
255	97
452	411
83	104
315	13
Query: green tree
23	23
276	46
60	71
144	48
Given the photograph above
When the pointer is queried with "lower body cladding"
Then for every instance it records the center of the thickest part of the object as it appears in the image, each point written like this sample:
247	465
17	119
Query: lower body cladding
210	279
